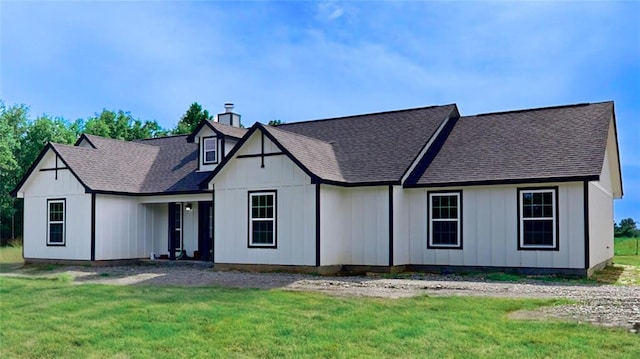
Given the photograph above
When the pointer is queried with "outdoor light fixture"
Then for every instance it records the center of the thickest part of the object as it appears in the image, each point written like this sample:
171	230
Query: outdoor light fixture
188	207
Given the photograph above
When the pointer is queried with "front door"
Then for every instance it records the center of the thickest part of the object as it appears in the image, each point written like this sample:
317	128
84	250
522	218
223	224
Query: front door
205	230
175	230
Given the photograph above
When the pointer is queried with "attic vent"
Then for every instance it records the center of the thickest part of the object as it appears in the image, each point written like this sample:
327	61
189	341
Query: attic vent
228	117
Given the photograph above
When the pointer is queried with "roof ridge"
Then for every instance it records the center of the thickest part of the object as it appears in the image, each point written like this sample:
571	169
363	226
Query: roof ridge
269	128
365	114
131	142
158	138
584	104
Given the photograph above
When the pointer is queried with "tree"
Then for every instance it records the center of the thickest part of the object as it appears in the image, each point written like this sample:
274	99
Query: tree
13	122
190	120
119	125
21	140
38	133
627	228
275	123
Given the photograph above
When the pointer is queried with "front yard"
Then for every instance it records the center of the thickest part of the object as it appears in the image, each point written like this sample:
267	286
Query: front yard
52	316
55	318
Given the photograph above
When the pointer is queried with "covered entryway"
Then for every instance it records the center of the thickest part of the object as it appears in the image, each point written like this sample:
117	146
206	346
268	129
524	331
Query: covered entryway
190	230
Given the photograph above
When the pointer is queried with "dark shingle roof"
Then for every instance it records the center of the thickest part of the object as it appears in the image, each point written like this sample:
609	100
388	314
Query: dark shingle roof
227	130
370	148
165	164
316	155
546	143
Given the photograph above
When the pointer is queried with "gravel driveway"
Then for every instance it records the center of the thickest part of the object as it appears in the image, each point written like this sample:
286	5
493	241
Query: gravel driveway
606	305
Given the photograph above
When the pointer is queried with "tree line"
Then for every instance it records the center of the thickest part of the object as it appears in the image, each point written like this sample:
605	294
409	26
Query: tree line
22	137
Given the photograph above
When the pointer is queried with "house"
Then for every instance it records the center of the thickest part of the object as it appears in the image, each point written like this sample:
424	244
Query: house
417	189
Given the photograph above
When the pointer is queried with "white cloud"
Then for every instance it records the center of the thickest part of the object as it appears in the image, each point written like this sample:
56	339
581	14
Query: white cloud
330	10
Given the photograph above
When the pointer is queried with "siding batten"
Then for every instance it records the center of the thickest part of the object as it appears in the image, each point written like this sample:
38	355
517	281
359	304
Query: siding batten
585	204
317	224
93	227
213	225
390	226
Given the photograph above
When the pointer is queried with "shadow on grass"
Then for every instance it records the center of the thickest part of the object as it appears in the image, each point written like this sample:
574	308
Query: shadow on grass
609	275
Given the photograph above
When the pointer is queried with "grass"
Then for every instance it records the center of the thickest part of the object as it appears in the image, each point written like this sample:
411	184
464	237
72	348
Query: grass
43	318
10	257
625	251
626	265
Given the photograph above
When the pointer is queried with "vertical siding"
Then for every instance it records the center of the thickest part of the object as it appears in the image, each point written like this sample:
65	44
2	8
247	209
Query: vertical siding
355	225
333	237
157	221
190	228
601	209
401	243
600	225
295	208
489	229
121	232
42	186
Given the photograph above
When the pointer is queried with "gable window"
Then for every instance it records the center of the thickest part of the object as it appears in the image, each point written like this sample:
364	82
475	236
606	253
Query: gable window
55	222
538	218
445	220
209	150
262	219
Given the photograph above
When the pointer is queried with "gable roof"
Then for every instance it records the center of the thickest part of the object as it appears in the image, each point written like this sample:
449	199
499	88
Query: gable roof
155	166
564	143
316	156
555	143
220	129
372	148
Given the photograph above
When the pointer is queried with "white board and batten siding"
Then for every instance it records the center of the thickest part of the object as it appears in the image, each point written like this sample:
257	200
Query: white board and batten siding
354	225
124	228
129	227
601	211
490	229
42	186
295	208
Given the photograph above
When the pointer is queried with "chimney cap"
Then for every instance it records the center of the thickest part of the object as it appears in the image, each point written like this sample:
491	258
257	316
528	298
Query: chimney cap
228	107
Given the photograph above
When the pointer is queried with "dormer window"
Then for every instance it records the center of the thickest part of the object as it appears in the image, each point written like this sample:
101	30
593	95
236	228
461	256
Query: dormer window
209	150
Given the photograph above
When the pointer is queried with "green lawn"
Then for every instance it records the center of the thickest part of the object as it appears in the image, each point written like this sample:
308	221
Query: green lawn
54	318
625	251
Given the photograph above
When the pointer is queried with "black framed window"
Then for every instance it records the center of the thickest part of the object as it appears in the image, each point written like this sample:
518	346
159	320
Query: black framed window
262	219
538	218
56	222
445	220
209	150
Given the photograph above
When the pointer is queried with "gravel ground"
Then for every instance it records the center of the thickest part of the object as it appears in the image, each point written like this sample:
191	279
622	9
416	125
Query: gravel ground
607	305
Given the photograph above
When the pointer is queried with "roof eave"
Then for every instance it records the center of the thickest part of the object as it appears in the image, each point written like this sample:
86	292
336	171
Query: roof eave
509	181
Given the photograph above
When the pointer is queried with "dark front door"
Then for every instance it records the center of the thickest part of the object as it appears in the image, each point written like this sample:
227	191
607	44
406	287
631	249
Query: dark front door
175	230
205	230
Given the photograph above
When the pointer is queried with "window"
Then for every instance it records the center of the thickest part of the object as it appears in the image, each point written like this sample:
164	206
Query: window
55	222
209	150
445	220
538	218
262	219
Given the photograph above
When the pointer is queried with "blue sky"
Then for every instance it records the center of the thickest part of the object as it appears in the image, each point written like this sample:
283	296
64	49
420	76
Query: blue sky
299	60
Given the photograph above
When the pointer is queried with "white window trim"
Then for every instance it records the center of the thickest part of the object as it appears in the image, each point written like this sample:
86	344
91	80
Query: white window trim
458	244
554	218
205	140
273	243
63	222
